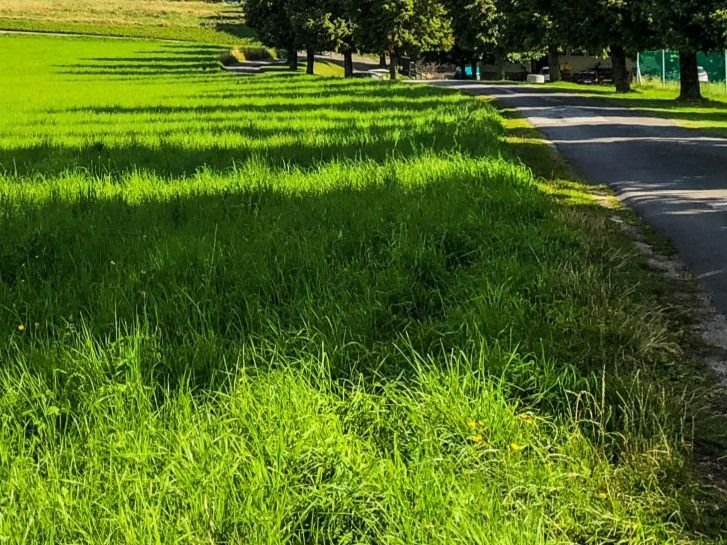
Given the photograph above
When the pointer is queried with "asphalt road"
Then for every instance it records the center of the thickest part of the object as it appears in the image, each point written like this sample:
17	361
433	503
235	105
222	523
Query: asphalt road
675	178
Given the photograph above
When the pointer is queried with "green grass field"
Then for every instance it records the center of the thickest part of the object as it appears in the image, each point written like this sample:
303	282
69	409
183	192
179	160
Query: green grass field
186	20
300	310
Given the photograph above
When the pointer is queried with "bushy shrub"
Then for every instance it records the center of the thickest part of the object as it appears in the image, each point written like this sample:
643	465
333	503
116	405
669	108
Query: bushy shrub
241	54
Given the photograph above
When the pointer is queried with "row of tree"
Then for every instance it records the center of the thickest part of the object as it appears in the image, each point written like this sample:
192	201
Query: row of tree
470	31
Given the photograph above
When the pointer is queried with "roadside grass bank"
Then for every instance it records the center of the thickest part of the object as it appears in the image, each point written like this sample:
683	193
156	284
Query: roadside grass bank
185	20
323	67
284	309
692	316
709	116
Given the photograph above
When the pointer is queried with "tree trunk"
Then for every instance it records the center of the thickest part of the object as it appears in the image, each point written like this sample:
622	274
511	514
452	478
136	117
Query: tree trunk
293	58
689	79
620	73
310	61
348	63
500	64
474	69
393	64
554	64
382	60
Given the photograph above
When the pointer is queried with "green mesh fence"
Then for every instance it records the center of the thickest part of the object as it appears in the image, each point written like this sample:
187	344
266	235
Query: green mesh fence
651	65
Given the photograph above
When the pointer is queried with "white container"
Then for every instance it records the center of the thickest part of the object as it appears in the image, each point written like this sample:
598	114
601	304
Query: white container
536	78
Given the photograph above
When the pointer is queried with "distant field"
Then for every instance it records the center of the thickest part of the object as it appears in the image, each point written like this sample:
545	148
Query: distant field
190	20
300	310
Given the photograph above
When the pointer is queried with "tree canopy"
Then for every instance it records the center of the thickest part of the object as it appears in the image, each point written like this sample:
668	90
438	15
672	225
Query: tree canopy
473	30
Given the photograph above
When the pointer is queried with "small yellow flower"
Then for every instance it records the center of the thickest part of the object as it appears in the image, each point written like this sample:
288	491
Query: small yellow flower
21	328
471	424
477	439
602	496
526	419
515	447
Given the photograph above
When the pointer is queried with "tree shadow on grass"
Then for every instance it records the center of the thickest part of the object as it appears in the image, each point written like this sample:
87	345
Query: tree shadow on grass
380	260
642	108
176	59
262	274
356	261
277	149
264	87
627	106
341	263
137	72
607	103
231	21
677	297
303	131
394	105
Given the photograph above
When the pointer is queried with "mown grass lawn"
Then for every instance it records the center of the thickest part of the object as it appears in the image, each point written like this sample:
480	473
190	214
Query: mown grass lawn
288	309
187	20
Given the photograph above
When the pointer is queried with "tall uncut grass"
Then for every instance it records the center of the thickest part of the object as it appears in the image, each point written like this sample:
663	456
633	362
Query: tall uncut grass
312	311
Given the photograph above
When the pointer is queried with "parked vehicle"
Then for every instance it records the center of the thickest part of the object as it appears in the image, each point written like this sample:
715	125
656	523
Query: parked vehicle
605	75
587	77
467	73
379	73
702	74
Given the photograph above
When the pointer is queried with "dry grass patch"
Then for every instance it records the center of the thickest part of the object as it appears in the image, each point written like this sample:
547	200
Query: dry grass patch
182	19
123	12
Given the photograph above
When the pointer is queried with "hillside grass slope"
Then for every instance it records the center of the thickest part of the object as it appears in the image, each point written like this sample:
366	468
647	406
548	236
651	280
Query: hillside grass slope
186	20
288	309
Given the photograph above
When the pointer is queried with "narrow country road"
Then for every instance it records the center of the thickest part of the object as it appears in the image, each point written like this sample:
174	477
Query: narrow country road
675	178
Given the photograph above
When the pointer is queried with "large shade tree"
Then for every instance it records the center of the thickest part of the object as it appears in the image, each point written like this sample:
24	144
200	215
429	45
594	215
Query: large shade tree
688	26
345	12
475	29
598	26
317	25
617	26
269	20
402	27
539	27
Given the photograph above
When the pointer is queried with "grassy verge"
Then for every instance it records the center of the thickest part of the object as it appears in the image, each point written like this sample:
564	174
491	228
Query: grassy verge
185	20
678	296
322	68
709	116
328	69
284	309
